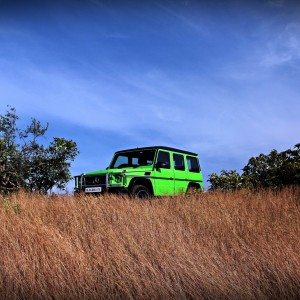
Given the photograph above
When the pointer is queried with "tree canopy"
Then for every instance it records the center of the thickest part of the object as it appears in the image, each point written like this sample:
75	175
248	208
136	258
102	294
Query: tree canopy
275	169
26	162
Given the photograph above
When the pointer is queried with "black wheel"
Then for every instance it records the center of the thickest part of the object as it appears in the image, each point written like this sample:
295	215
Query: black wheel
141	191
192	189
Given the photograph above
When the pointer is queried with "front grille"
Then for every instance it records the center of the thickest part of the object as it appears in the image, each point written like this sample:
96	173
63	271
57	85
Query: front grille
95	180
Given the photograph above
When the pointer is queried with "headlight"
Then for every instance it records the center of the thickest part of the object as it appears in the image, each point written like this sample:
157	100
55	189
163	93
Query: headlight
118	177
115	177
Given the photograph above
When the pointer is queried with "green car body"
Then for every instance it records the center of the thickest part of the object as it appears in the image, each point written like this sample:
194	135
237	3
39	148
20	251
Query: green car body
145	172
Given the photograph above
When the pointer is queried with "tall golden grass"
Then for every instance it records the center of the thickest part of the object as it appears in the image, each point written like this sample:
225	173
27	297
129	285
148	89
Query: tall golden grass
205	246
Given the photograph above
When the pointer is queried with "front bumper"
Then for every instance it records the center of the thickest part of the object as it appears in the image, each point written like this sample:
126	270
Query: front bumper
98	184
90	184
110	189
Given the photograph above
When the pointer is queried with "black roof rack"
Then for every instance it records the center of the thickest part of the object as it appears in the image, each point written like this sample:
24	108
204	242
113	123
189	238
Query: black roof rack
160	147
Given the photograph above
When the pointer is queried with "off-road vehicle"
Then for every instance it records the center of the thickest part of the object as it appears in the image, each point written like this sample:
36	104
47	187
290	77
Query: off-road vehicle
145	172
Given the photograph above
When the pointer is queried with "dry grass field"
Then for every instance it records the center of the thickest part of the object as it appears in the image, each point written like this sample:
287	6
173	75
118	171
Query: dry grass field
217	245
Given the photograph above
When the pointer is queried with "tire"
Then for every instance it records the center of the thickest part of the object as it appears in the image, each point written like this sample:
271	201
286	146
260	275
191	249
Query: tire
141	191
192	189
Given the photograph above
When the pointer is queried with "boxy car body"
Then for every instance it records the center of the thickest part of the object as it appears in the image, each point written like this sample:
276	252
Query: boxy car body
145	172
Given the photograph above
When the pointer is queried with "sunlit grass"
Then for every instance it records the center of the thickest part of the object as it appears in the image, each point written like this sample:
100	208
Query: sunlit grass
210	245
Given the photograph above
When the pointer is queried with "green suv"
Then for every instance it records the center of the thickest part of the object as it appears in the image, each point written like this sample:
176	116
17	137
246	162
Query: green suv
145	172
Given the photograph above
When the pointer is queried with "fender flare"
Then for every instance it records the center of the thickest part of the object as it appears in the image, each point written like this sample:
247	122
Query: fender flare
141	180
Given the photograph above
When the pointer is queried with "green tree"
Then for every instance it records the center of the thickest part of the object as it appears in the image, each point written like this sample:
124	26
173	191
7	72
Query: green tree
10	157
275	169
227	180
290	170
27	163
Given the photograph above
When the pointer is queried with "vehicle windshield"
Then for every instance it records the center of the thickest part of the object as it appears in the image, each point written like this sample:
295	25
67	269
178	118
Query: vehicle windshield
133	159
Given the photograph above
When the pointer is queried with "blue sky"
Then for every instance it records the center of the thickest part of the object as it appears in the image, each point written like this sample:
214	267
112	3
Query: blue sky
218	78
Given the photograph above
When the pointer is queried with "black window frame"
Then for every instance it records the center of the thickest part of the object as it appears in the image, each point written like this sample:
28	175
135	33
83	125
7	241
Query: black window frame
130	156
161	151
183	161
198	165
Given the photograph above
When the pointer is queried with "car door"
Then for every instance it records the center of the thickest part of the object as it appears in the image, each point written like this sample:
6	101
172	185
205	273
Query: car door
180	176
194	173
163	174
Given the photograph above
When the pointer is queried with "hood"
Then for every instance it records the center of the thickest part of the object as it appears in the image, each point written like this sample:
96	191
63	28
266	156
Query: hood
122	170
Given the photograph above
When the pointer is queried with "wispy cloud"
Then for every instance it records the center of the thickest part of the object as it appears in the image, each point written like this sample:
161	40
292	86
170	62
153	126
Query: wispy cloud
223	97
276	3
208	116
184	19
284	47
118	36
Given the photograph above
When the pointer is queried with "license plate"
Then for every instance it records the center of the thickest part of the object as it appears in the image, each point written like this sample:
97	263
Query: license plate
93	190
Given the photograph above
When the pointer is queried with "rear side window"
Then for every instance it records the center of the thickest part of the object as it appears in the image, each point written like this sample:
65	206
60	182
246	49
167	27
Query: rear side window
178	162
163	159
193	164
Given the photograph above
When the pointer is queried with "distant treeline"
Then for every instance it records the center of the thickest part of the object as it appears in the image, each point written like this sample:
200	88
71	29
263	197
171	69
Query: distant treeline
276	169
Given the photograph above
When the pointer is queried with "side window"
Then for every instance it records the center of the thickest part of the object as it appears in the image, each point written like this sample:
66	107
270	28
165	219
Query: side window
178	162
163	160
193	164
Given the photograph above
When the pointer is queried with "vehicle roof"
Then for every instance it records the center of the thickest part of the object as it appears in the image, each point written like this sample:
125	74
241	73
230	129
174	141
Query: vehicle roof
160	147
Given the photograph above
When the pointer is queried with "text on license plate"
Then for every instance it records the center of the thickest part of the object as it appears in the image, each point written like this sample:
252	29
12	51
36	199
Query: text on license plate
93	190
